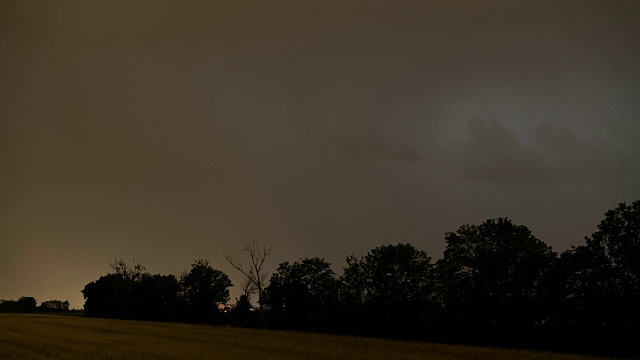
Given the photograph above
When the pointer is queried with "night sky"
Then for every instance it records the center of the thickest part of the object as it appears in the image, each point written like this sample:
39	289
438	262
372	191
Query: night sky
167	131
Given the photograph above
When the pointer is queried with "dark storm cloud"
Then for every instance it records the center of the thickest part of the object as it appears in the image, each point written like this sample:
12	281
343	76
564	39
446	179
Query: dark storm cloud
493	154
579	159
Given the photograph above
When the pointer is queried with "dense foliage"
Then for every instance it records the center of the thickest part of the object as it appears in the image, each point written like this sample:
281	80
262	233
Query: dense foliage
129	293
494	273
27	304
390	292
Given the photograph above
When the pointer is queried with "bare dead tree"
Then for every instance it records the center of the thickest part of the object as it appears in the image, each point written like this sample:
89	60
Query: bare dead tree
255	277
248	288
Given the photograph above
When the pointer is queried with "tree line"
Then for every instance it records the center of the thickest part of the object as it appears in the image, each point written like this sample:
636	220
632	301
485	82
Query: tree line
496	284
28	304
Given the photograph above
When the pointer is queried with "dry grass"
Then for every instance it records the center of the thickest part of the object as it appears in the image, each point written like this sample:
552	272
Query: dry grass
42	336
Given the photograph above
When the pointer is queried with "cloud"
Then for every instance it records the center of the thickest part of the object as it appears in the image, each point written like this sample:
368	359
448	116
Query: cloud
492	153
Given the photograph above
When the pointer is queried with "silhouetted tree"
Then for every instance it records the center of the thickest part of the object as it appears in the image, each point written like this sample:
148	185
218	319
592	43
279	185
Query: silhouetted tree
8	306
618	238
107	297
155	297
255	276
302	295
114	295
601	280
54	306
389	291
128	273
582	287
494	273
203	288
243	314
25	304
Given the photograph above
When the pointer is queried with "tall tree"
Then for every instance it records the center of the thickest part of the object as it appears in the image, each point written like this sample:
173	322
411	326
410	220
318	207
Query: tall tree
107	297
494	273
601	280
389	291
117	294
203	289
302	295
618	238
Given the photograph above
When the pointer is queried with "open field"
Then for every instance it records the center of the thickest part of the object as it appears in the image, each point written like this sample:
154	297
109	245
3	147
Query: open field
50	336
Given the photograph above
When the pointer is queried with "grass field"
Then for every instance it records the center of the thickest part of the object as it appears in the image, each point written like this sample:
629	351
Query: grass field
63	337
